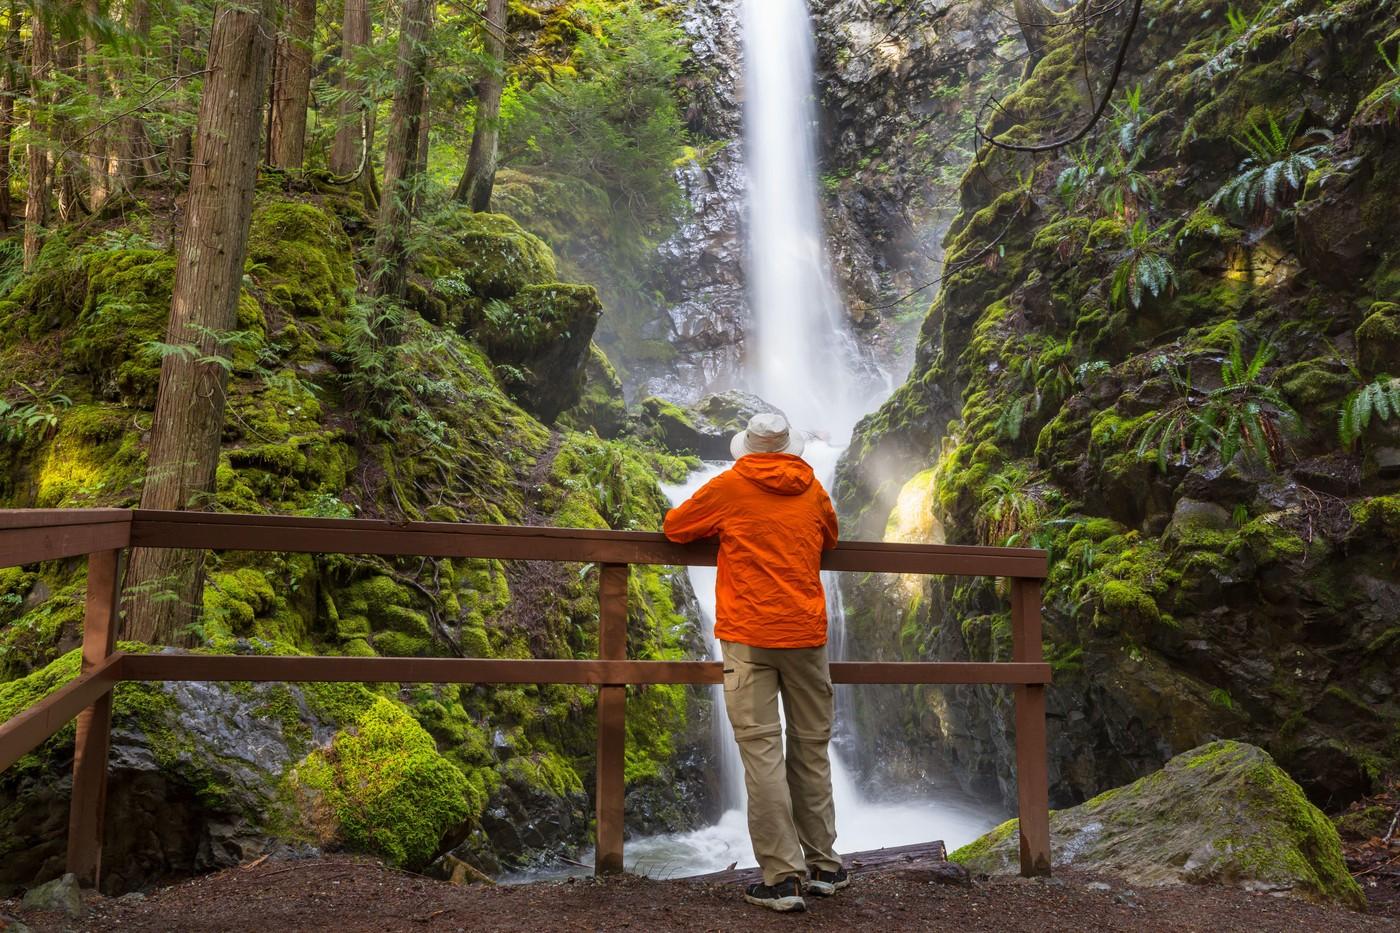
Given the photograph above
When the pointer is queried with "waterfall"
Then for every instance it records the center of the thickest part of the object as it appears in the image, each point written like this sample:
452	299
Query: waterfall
802	359
800	353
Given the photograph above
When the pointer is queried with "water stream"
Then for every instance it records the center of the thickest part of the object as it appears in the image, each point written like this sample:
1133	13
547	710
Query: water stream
801	359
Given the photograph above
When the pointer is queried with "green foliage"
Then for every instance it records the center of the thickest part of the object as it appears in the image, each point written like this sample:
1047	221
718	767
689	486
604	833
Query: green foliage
1144	265
35	415
1379	400
1009	509
1272	172
1112	168
380	371
611	123
1244	414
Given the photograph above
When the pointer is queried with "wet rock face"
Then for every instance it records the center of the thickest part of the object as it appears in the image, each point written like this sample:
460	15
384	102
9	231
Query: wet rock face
704	313
899	85
1200	593
195	794
708	314
1223	813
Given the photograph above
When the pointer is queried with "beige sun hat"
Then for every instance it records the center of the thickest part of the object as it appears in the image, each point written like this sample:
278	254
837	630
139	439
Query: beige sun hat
767	433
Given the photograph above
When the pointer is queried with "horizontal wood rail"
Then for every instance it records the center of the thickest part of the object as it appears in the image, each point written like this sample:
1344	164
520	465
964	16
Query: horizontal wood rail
34	535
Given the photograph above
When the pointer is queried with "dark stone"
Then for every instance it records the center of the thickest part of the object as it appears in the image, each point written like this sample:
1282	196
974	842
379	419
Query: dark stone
1334	243
1334	474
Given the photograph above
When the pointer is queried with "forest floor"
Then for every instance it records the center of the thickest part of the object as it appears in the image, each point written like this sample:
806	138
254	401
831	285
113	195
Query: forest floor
348	894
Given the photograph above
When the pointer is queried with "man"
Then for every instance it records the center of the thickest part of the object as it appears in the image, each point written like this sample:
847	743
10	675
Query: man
773	520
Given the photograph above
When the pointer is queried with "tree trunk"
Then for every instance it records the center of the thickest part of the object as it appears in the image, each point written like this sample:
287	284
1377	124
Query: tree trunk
136	161
36	199
291	87
97	154
181	142
420	161
1035	20
355	131
9	87
70	168
480	176
163	590
401	152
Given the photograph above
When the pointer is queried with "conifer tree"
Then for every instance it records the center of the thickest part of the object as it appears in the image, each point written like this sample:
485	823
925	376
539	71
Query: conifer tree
164	586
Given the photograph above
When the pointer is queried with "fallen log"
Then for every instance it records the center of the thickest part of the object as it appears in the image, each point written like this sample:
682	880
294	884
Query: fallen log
928	859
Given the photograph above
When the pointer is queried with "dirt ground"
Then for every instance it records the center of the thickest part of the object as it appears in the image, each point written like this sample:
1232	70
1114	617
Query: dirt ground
354	894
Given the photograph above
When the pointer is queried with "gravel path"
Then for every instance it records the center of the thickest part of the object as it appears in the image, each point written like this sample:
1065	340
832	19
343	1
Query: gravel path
353	894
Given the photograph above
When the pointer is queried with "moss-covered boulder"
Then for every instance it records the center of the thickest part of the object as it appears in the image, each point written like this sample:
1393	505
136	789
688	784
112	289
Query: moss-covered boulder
468	258
601	407
382	786
540	343
1378	340
299	258
1223	813
668	425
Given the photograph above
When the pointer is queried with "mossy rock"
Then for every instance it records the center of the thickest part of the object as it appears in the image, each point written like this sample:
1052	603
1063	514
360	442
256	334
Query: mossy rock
1378	340
668	425
299	259
540	343
482	256
1223	813
601	407
382	787
126	307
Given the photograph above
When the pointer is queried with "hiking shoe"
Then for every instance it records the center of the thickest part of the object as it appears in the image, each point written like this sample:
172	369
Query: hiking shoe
784	897
827	883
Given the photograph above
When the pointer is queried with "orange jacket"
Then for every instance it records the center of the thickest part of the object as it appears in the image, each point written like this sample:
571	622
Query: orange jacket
773	520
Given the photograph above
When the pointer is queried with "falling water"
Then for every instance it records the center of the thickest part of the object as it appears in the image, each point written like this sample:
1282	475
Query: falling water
800	355
802	360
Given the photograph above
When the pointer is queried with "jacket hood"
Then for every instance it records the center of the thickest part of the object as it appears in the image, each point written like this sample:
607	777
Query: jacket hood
783	474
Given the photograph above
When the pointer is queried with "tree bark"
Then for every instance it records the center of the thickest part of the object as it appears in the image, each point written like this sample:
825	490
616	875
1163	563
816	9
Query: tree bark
291	87
36	199
480	176
97	152
163	592
136	161
420	160
1035	20
9	87
355	132
401	152
70	167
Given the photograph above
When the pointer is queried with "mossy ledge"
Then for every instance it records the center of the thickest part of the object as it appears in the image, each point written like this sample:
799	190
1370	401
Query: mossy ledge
1223	813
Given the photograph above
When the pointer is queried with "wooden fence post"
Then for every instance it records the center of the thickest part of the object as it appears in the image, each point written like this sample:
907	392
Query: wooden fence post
612	719
1032	759
89	801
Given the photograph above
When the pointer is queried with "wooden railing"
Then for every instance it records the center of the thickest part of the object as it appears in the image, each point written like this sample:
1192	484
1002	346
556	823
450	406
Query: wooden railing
31	536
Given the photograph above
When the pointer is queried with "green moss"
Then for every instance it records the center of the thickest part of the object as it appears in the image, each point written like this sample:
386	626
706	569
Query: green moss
126	307
979	849
488	253
1378	340
1317	382
600	408
94	458
545	771
1205	224
383	787
299	259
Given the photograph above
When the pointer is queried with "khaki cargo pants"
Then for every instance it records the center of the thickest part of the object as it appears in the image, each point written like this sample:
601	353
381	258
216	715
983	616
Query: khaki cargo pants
792	819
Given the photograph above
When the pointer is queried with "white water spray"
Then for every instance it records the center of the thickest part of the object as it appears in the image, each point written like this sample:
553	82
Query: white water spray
800	354
801	359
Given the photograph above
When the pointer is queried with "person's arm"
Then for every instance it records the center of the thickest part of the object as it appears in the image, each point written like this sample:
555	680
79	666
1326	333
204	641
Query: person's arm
830	528
697	517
